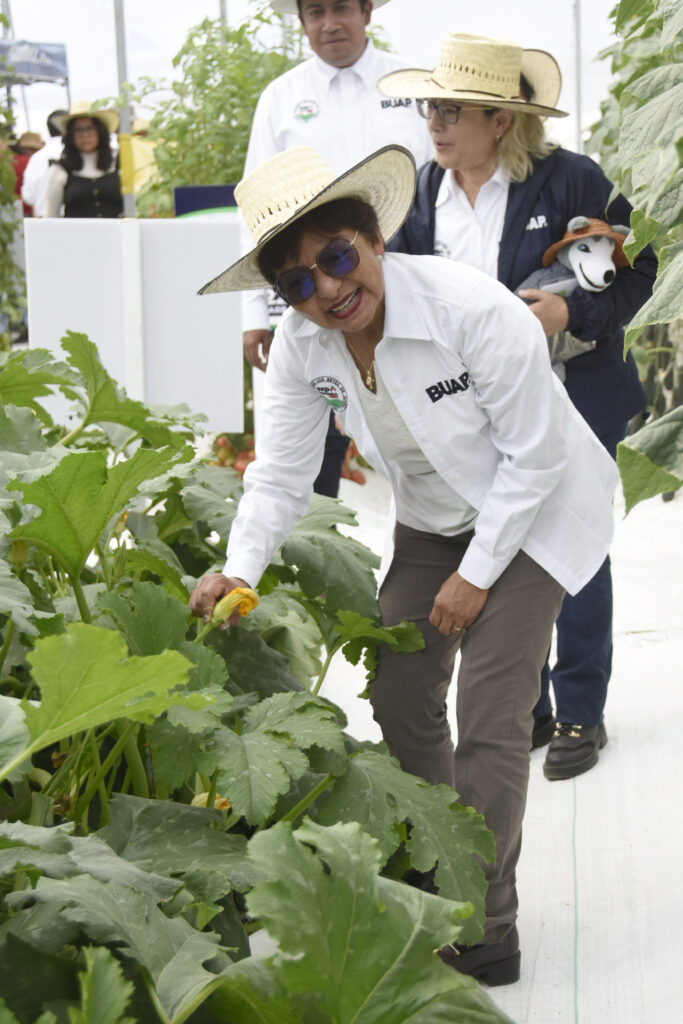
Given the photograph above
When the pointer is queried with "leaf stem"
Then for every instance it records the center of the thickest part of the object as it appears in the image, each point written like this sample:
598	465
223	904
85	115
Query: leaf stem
315	689
80	599
104	564
6	642
104	767
312	795
135	765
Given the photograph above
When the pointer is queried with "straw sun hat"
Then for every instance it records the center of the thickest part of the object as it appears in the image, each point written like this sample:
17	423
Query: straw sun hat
81	108
290	7
476	69
292	183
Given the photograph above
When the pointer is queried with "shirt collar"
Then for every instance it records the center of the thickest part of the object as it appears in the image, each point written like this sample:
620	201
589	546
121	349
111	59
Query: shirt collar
449	186
364	68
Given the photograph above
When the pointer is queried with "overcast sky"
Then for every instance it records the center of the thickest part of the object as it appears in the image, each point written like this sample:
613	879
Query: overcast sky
156	29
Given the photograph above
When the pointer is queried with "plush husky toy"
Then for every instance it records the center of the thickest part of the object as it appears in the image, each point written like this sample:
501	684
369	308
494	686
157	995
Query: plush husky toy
585	257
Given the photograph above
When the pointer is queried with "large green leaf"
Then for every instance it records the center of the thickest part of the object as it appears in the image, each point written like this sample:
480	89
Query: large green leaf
377	794
151	620
651	460
355	947
80	496
664	305
330	562
285	626
169	949
16	600
58	855
19	430
29	375
107	402
86	678
306	720
180	841
254	666
30	977
105	993
254	770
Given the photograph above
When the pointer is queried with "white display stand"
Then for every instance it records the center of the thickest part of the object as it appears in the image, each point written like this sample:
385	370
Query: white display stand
131	286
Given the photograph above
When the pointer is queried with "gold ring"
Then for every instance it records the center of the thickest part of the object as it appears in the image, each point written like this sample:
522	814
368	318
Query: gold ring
457	629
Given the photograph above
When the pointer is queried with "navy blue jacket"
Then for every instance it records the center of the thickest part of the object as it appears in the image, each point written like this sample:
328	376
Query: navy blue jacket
602	385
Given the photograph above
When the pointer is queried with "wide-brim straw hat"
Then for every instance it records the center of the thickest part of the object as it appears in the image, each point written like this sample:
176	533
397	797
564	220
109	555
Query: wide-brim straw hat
30	140
81	108
589	227
290	6
292	183
485	72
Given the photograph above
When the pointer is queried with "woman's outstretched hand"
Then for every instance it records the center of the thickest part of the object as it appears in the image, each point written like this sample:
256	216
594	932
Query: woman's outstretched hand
457	605
211	589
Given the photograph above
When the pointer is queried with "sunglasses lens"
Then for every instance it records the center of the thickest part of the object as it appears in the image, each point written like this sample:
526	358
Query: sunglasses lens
295	286
338	258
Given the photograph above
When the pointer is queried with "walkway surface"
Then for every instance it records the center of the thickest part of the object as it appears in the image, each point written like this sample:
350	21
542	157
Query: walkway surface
601	898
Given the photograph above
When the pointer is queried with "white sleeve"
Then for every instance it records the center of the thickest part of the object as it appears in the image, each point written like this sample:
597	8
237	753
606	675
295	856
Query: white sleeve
278	485
54	190
506	353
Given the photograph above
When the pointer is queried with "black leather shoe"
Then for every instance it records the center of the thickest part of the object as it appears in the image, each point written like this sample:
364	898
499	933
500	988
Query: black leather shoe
494	963
542	732
573	750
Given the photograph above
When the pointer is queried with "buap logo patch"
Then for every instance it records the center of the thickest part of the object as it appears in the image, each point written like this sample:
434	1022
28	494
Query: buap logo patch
333	391
448	387
306	110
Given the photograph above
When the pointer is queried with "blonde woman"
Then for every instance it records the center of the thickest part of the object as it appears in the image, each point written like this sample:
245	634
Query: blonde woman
496	195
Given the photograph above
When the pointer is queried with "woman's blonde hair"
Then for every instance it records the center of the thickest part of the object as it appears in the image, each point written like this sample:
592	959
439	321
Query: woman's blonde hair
523	142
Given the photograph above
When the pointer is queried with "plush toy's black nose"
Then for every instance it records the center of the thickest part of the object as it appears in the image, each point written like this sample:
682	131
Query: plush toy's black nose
608	276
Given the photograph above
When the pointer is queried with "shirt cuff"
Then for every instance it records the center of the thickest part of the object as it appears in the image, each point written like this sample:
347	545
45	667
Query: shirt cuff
575	307
479	568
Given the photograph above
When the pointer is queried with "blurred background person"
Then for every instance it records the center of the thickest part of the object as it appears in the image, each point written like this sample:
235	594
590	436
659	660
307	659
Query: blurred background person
27	144
38	166
85	180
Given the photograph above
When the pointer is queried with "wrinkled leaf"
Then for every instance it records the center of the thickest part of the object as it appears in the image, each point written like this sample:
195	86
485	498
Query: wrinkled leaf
105	993
377	794
664	305
80	496
150	619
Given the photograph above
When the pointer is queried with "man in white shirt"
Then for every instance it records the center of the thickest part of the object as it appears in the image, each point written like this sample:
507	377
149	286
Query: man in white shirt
330	102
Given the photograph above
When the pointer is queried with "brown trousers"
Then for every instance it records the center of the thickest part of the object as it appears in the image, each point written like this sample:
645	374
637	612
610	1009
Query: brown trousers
498	684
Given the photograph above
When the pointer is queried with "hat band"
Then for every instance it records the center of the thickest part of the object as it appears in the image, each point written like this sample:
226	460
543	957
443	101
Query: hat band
470	88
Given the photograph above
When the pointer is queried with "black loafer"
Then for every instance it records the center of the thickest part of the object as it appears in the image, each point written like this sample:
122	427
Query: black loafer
574	749
494	963
542	732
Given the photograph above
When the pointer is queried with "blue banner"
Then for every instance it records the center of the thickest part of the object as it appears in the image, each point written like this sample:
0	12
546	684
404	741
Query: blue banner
22	62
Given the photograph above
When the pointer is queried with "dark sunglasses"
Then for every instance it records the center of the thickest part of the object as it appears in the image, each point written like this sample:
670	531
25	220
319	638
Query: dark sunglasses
339	257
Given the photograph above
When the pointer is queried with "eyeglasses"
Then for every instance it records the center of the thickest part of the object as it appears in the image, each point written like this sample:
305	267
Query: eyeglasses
339	257
448	112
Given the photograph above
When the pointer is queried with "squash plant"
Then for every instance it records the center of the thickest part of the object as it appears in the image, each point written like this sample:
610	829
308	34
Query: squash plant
168	789
640	137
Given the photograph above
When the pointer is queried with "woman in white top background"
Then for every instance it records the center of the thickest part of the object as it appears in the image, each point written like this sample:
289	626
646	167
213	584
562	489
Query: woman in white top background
85	180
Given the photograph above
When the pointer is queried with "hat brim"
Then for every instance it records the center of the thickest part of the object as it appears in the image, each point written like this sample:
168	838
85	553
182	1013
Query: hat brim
109	118
385	180
290	7
538	67
619	257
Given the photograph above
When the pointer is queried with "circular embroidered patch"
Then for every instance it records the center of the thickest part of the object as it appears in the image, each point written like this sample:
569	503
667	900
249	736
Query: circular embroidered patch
333	391
306	110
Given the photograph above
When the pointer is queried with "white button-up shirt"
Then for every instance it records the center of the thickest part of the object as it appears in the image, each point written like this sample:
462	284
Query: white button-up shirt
466	365
471	233
342	114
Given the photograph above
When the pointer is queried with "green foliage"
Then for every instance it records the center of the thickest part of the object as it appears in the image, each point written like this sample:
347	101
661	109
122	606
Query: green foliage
202	121
640	139
154	776
12	281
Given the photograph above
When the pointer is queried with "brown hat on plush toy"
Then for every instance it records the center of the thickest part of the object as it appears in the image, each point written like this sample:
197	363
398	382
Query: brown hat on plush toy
582	227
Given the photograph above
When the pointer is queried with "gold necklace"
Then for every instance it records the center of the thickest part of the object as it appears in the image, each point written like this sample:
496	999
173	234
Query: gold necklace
369	375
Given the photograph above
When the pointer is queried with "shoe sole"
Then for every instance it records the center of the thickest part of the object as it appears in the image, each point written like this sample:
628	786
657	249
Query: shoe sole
557	772
500	972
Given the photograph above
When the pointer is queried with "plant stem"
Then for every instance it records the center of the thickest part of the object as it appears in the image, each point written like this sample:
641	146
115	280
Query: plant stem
315	689
211	797
135	766
80	599
308	799
110	760
104	564
6	642
77	431
101	789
